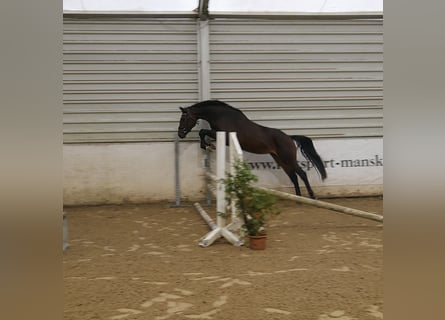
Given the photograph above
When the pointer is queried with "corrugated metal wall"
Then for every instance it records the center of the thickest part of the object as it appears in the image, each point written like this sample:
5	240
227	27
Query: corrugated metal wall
321	78
125	78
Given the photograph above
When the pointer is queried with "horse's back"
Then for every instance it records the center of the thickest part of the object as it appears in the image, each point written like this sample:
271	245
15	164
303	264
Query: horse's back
260	139
252	137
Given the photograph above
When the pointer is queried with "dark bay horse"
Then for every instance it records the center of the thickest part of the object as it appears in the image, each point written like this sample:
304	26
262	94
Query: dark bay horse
253	138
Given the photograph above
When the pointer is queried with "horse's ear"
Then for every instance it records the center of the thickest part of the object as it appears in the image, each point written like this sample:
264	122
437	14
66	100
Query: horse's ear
182	109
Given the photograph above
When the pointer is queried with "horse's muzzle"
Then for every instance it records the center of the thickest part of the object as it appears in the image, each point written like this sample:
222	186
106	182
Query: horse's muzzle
182	133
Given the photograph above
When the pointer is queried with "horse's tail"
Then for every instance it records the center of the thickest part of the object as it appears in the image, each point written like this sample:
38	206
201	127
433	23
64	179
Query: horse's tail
309	152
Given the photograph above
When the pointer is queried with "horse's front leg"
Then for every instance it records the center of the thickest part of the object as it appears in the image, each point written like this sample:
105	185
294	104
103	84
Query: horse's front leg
202	134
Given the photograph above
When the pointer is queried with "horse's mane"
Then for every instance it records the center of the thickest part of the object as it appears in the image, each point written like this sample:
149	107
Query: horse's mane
208	103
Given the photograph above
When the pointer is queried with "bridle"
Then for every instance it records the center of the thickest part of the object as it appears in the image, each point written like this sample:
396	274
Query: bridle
186	119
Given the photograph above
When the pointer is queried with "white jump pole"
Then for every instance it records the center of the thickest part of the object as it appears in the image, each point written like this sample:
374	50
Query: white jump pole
325	205
206	217
221	229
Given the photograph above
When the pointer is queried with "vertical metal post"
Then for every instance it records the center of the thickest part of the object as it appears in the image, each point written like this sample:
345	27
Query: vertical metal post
65	244
177	180
204	85
203	9
203	60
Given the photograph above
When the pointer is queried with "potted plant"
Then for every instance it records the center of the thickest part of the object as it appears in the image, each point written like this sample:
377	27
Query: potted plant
254	206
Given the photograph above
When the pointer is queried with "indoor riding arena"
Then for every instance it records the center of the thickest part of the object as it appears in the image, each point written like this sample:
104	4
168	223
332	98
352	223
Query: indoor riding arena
133	238
144	262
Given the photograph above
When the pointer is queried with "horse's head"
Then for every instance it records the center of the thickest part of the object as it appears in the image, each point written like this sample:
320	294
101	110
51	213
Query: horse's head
187	122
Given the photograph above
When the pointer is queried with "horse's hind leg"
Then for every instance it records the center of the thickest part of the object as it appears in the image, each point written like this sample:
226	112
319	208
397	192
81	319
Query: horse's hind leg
290	171
303	176
293	177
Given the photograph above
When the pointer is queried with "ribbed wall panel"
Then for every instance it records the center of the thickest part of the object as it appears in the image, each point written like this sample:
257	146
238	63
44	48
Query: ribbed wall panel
320	78
125	78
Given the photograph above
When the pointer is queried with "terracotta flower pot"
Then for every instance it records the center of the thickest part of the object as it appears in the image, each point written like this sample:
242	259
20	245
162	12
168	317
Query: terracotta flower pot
257	242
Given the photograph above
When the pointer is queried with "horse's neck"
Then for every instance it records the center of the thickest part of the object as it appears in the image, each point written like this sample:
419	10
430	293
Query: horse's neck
206	113
220	118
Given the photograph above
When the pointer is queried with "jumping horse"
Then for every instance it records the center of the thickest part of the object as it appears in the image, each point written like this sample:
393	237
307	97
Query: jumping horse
253	138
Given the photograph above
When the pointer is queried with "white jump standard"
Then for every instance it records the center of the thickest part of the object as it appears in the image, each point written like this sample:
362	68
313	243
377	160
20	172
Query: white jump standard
221	228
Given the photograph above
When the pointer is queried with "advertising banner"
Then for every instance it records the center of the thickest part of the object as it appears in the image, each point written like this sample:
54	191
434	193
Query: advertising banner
350	164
